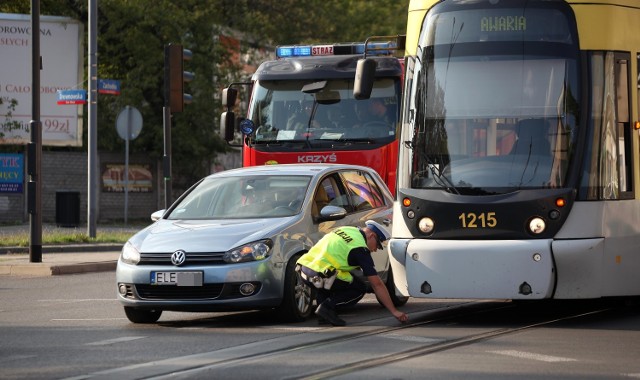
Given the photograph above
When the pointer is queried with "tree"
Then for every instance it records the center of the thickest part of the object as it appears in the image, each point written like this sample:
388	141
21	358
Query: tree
294	21
131	40
8	124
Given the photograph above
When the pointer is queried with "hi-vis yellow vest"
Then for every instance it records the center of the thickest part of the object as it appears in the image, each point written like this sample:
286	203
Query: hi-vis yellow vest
332	252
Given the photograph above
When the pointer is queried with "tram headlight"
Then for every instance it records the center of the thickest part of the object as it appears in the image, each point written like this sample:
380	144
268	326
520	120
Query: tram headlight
426	225
537	225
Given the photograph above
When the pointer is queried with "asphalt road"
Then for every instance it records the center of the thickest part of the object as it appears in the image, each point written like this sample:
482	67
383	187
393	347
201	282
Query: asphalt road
72	327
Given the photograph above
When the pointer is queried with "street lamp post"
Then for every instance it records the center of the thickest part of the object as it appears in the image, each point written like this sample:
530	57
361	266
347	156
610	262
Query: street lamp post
34	186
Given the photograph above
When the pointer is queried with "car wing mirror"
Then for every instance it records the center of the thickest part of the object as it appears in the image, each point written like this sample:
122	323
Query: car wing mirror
332	213
157	215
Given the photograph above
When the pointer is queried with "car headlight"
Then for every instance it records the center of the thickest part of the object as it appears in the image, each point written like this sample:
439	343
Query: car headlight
130	254
255	251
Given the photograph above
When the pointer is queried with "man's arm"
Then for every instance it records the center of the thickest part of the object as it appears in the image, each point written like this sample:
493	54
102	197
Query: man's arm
382	293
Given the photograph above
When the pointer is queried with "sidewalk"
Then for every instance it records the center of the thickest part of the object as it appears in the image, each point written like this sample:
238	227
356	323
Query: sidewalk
60	262
60	259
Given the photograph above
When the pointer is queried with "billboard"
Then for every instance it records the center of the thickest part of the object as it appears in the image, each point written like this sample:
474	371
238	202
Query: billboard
140	178
62	69
11	173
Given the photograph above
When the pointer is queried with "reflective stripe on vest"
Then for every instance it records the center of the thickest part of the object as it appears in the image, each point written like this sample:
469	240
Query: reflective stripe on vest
332	252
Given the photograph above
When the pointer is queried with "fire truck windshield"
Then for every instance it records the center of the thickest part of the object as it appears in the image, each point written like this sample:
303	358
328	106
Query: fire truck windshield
321	112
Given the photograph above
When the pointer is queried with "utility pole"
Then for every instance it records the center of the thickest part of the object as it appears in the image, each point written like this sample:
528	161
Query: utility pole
92	139
34	187
166	158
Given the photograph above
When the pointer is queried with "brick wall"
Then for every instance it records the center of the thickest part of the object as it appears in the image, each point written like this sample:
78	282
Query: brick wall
13	208
140	204
65	173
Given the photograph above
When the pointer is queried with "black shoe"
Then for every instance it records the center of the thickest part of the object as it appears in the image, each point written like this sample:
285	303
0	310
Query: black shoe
322	321
329	315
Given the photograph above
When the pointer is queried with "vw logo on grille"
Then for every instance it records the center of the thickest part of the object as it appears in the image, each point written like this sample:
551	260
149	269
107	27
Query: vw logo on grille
178	257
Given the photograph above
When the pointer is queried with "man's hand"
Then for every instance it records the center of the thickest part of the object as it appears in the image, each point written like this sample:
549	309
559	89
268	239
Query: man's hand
382	293
400	316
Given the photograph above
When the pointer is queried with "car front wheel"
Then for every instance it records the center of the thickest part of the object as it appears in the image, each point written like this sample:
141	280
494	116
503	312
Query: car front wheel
142	315
298	297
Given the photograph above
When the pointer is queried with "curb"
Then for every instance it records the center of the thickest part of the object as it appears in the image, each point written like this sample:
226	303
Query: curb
43	269
71	248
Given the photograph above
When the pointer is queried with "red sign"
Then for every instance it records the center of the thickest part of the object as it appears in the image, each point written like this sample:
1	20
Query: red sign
322	50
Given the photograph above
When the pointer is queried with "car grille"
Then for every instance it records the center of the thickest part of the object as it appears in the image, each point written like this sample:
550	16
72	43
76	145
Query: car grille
205	292
193	258
155	292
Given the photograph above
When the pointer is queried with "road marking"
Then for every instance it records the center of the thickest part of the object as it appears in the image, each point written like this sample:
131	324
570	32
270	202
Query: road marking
116	340
86	319
296	329
79	300
532	356
633	375
412	338
16	357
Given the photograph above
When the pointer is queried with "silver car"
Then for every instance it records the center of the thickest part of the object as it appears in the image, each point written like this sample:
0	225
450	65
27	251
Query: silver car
231	241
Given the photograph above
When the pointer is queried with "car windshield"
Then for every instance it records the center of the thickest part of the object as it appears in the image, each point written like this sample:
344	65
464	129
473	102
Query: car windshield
244	197
286	112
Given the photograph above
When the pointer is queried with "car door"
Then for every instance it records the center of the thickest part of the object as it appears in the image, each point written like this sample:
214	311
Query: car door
366	200
333	191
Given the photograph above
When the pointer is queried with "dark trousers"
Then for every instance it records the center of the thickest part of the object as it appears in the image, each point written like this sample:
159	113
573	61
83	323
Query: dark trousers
341	293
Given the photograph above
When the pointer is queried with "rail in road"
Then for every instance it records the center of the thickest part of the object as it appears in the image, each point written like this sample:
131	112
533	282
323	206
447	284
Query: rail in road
318	353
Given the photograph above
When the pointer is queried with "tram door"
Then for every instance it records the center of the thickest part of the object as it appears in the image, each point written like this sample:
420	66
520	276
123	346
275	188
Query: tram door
611	170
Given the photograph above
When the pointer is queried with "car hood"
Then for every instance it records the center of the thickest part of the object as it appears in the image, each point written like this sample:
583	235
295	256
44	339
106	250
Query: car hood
205	235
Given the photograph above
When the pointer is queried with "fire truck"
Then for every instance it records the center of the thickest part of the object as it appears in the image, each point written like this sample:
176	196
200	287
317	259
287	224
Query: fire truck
303	107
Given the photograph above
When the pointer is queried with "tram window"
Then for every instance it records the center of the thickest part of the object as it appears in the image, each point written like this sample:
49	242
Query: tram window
610	167
622	106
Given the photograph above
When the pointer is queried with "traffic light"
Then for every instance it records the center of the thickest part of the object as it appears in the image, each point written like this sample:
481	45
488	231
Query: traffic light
175	77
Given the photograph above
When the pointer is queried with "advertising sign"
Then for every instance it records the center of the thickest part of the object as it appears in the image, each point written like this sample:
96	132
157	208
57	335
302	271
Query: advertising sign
62	69
11	173
140	178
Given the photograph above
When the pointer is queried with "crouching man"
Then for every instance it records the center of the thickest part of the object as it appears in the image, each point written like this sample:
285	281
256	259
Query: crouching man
327	265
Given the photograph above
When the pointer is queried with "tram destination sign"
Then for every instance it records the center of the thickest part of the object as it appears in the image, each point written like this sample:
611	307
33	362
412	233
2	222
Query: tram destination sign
502	25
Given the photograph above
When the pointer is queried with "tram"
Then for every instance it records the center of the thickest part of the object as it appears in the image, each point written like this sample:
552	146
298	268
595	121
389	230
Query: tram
519	174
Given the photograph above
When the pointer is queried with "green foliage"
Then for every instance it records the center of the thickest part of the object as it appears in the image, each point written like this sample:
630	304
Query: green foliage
131	39
8	124
58	236
294	21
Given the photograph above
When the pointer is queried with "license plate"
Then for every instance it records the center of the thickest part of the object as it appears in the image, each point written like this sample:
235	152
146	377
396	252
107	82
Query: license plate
176	278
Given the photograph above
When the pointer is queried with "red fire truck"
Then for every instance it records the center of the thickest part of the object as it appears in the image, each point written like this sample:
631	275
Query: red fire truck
303	108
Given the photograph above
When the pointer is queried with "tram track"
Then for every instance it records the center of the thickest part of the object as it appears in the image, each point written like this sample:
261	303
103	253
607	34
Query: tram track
274	355
438	316
429	349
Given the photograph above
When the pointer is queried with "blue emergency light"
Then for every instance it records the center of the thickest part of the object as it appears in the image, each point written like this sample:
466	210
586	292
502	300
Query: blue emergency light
377	48
293	51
